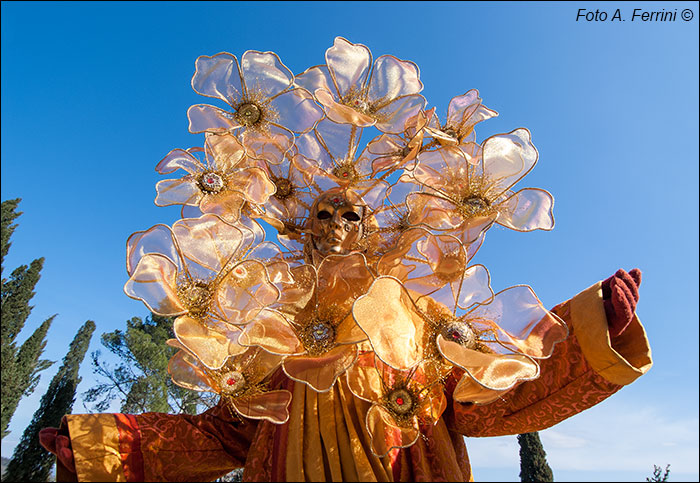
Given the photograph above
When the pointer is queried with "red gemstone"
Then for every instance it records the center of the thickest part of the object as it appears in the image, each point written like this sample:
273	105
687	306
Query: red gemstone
345	175
336	200
455	335
239	271
399	401
230	381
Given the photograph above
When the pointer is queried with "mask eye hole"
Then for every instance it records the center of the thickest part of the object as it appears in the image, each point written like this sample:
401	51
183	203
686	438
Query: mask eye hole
351	216
323	215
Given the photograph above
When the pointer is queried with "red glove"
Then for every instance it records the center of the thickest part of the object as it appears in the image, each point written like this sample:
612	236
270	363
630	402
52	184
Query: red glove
57	441
620	297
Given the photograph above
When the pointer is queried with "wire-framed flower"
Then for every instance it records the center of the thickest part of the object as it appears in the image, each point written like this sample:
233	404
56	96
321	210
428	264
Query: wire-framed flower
389	152
402	402
288	208
353	90
393	217
495	343
203	268
335	149
463	113
423	272
437	266
466	199
312	326
263	101
242	382
441	313
221	184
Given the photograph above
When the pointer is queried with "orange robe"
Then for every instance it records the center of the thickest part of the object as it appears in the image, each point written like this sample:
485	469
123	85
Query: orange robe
325	437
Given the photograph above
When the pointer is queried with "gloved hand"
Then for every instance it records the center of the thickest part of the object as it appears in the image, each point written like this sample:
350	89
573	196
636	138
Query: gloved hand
57	441
620	297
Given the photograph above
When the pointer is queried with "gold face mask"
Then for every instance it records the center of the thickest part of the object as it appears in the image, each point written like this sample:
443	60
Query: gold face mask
336	223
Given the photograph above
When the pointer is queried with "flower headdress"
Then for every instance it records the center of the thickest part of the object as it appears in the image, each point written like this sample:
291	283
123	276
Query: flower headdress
372	277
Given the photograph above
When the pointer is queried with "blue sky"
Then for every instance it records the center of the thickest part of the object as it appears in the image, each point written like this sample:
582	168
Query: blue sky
95	94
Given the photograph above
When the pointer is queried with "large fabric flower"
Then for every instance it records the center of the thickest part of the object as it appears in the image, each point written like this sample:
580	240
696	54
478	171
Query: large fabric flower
402	402
241	382
418	317
385	97
221	185
463	113
436	266
393	217
312	326
389	152
426	272
335	149
263	101
212	275
287	209
466	199
204	269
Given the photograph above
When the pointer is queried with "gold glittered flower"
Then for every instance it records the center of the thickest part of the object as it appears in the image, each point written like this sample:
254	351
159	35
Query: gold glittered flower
463	113
203	268
241	381
402	402
389	152
465	199
312	325
264	104
429	308
221	184
354	91
334	148
287	209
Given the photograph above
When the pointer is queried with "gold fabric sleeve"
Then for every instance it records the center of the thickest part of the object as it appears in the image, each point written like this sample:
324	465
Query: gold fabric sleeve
95	442
619	360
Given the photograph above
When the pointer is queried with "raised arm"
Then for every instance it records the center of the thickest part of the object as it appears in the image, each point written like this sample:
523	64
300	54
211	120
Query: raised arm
607	348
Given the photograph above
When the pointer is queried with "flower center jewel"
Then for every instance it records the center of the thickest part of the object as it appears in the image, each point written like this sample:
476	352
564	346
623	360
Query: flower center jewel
400	402
459	333
248	114
356	100
359	104
474	205
318	337
346	172
232	382
450	132
211	182
195	295
284	188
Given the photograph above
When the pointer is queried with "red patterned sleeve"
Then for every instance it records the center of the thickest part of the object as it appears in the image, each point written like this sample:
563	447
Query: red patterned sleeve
583	370
158	447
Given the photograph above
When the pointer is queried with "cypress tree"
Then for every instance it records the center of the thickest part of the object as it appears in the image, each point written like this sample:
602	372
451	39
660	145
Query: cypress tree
8	213
533	459
20	378
31	462
20	367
